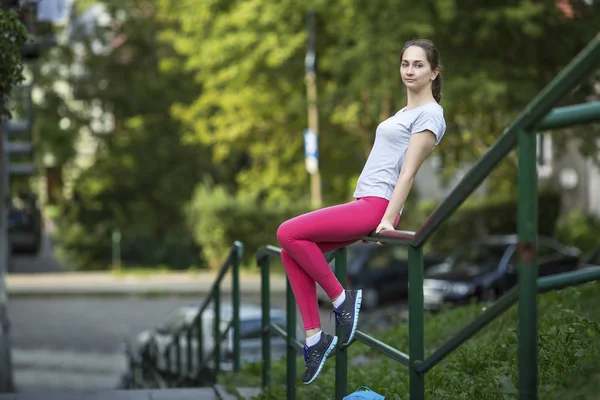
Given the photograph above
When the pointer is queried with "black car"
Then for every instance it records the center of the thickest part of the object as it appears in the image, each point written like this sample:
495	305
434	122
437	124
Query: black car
25	224
593	259
380	271
486	269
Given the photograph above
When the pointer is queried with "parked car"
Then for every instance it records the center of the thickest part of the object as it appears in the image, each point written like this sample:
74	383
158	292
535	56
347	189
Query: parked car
380	271
485	269
24	225
250	329
592	259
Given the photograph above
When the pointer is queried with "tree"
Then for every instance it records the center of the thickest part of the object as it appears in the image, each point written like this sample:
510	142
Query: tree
117	98
12	37
248	58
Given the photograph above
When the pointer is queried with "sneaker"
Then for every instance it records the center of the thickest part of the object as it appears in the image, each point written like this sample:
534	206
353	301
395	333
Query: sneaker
316	355
346	316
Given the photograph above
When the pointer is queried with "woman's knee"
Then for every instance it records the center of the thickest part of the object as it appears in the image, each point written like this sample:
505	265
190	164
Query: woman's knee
283	233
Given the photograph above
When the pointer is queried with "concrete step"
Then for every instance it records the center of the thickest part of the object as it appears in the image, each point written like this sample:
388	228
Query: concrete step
166	394
64	370
244	393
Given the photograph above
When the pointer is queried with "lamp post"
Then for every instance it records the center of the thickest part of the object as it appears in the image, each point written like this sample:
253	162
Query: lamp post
311	134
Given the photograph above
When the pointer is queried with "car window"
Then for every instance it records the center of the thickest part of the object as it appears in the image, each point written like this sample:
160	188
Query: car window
472	260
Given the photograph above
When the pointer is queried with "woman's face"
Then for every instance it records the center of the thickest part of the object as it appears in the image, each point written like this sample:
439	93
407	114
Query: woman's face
415	70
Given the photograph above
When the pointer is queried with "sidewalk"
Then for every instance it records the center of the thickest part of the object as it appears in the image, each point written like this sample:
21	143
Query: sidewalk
165	394
110	284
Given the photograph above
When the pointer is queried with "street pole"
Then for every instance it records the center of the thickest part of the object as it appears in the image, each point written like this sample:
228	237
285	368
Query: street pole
6	372
313	112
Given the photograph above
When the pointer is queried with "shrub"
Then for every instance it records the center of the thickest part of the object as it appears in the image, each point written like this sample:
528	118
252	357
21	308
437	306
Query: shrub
579	230
12	37
488	216
219	218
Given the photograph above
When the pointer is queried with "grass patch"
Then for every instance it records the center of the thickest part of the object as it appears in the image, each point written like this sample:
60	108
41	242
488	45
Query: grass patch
483	368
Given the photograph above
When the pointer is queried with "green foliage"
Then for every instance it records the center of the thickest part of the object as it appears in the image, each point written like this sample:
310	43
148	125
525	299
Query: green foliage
483	368
12	37
219	218
249	57
216	89
142	171
494	216
579	230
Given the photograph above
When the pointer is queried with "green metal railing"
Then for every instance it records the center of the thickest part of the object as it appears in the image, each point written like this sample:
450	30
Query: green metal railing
166	365
537	116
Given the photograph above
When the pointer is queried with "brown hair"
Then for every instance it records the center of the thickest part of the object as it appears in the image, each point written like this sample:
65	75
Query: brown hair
433	58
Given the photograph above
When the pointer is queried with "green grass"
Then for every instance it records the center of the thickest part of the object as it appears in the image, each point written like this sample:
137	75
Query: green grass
483	368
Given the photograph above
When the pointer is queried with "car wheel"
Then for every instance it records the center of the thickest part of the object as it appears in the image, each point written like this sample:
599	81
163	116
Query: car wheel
489	295
370	298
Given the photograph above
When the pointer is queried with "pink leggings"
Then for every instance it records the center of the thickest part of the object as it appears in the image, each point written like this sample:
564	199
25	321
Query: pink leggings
305	238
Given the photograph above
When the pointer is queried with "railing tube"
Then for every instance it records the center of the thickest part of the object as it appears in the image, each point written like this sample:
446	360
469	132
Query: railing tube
527	266
265	293
189	356
200	355
235	279
341	358
217	330
178	358
416	328
290	305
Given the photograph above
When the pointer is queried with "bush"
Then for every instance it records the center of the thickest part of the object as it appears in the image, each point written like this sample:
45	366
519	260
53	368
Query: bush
85	249
219	218
493	216
12	37
579	230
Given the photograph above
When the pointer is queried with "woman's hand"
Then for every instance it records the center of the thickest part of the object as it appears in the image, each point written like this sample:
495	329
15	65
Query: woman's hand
383	226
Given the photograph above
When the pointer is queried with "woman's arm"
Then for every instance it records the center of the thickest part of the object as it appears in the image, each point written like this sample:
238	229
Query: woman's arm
420	146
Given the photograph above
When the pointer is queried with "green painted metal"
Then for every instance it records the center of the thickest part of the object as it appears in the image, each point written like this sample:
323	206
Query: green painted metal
189	353
290	306
264	265
200	351
571	115
178	359
235	282
560	281
296	344
527	265
382	348
341	357
174	353
495	310
416	324
217	328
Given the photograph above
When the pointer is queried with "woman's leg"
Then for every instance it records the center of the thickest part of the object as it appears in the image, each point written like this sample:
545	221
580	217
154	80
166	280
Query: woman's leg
304	286
304	240
306	237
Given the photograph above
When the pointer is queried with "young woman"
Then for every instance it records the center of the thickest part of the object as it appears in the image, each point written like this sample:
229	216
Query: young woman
402	142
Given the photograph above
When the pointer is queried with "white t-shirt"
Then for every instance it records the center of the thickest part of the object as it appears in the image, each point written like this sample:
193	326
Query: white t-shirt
382	169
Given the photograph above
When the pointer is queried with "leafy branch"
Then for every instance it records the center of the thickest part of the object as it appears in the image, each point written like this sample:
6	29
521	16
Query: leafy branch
13	35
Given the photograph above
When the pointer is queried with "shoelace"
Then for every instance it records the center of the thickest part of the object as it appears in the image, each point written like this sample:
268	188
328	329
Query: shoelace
307	355
339	316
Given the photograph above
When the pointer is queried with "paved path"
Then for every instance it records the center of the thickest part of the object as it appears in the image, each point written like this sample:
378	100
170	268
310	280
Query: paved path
170	394
110	284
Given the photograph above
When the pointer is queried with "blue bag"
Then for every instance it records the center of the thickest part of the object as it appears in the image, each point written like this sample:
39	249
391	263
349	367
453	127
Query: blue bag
364	393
